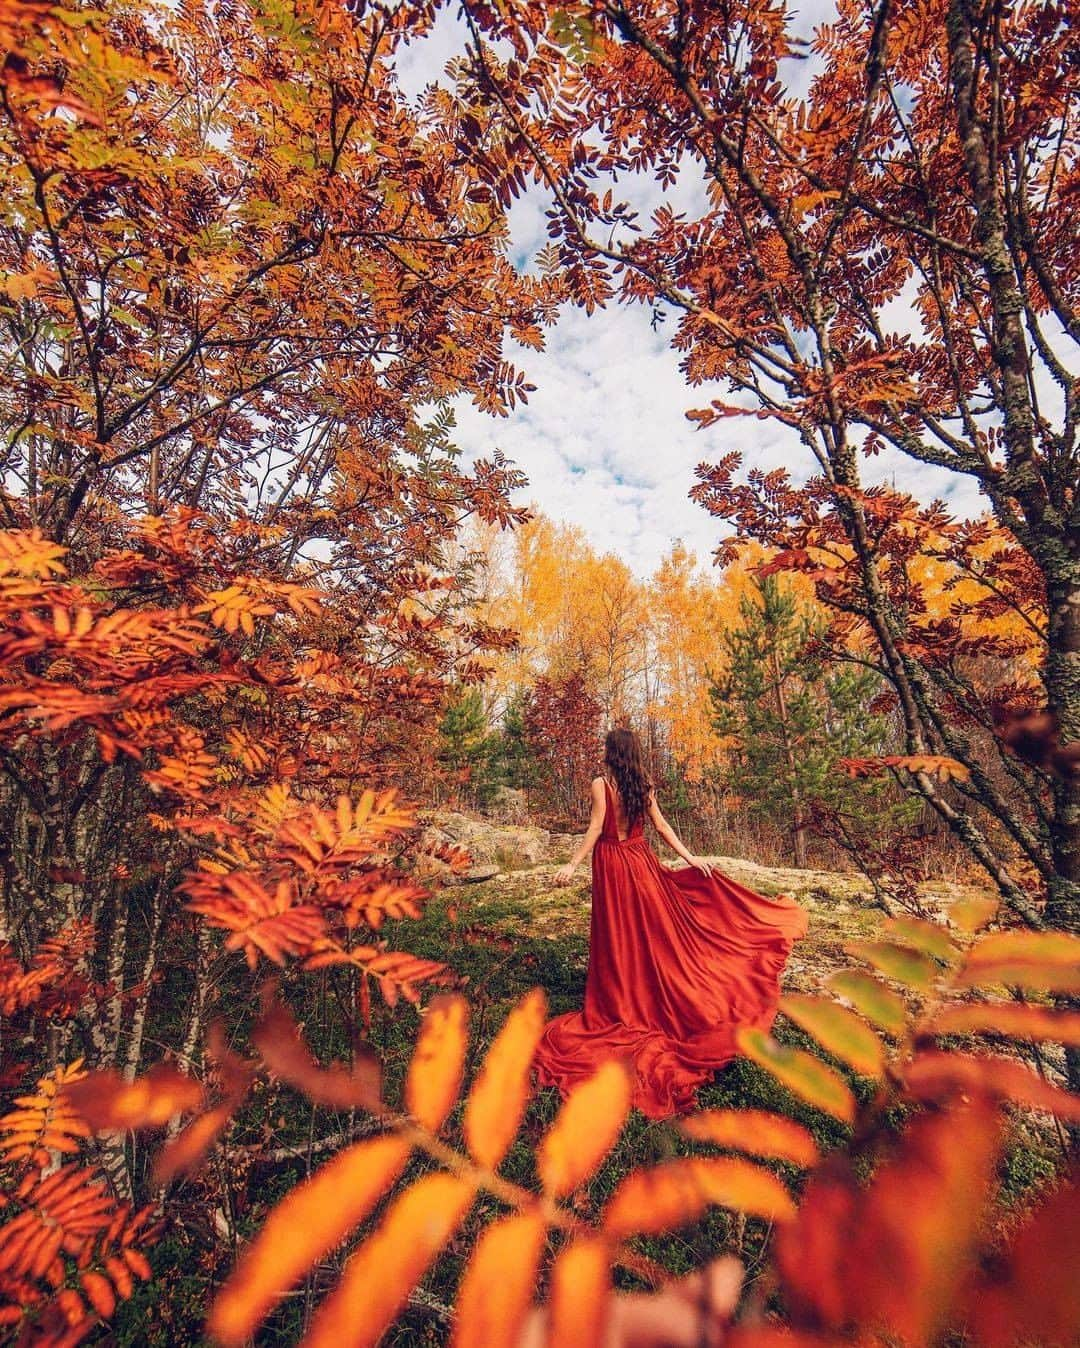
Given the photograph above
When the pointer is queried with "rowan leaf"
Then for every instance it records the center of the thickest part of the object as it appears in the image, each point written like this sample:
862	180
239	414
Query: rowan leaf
585	1129
306	1225
898	962
872	999
438	1060
675	1193
973	913
803	1074
929	937
754	1131
934	1075
839	1031
497	1288
106	1101
497	1100
186	1151
1042	961
1032	1294
389	1264
285	1053
580	1290
1008	1018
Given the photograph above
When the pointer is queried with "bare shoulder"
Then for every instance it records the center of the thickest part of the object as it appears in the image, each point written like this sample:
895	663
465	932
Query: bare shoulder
598	783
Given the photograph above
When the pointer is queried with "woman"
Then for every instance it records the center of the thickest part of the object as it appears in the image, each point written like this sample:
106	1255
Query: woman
677	959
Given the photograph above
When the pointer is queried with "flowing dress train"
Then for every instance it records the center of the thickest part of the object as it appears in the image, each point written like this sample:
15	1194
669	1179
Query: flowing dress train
677	961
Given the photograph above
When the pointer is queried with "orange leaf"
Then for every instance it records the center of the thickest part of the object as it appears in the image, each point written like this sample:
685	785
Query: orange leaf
1009	1018
585	1130
580	1288
186	1151
755	1131
286	1054
731	1182
304	1227
1033	1293
389	1264
676	1193
107	1101
435	1070
497	1101
933	1075
497	1289
887	1256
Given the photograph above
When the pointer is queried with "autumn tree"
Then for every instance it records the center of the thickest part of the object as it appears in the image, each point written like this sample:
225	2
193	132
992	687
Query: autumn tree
239	279
562	727
930	164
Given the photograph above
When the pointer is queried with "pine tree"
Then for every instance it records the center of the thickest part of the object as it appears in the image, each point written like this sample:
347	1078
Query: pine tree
467	748
792	719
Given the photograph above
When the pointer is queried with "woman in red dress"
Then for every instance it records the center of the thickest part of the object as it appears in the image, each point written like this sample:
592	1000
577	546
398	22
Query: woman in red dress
677	959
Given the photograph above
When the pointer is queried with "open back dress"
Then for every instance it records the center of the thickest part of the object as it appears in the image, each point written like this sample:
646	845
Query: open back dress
677	961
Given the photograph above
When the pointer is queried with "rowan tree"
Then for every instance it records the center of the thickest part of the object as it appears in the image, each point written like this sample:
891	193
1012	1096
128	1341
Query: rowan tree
238	280
930	164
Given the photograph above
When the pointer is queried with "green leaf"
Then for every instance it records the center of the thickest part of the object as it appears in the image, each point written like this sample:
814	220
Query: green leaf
872	999
898	962
803	1074
929	937
974	913
838	1031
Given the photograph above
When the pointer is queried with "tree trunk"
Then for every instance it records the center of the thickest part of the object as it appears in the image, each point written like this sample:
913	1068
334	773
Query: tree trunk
798	827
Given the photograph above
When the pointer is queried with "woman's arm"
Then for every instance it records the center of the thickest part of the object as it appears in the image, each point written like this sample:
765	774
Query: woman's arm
672	838
565	874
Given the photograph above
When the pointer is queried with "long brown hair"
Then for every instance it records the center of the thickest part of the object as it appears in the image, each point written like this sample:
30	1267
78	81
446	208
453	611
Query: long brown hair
623	759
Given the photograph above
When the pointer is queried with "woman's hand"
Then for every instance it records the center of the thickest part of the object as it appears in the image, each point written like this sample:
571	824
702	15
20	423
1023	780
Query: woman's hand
699	863
565	874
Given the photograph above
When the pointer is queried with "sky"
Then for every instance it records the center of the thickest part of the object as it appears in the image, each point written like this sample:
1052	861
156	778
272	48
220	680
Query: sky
604	440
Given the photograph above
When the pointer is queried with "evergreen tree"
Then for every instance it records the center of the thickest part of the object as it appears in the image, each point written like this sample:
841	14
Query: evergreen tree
792	720
513	757
467	748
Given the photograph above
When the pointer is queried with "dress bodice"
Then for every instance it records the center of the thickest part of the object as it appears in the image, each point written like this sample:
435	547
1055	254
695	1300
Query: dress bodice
610	832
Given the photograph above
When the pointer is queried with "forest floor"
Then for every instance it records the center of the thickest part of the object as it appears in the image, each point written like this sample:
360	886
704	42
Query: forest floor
516	929
522	898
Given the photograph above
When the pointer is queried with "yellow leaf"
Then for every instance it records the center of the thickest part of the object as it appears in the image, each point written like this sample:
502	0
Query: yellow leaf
755	1131
585	1130
497	1289
800	1072
930	937
435	1071
497	1101
389	1264
872	999
974	913
897	962
838	1031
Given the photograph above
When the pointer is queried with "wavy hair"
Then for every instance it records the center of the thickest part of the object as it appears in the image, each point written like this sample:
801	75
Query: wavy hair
623	759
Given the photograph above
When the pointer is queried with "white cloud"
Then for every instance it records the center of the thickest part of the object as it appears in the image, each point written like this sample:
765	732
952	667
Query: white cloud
604	439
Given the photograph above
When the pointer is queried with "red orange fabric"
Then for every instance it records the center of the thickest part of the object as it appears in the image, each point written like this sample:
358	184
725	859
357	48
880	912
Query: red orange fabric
677	960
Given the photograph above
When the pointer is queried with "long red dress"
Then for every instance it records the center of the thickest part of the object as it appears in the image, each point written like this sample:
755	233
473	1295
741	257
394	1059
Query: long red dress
677	960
